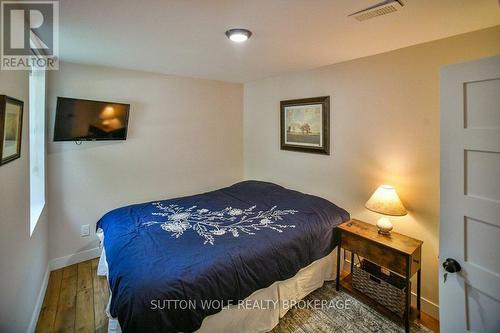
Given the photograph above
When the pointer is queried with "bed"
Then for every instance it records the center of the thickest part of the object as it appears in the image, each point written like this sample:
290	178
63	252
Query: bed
190	263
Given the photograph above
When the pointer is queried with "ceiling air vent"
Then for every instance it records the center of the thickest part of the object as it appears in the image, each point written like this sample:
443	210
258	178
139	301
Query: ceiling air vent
382	8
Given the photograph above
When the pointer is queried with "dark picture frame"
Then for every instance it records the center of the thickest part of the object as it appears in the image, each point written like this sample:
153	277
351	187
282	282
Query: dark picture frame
11	126
305	125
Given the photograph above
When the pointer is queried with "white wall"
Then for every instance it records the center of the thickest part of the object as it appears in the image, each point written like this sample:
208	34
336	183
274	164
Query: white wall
23	259
185	137
384	129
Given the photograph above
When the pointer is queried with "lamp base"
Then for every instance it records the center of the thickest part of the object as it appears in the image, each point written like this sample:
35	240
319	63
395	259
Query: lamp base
384	226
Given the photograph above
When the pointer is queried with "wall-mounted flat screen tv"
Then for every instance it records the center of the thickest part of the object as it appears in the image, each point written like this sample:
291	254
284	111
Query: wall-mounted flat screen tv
85	120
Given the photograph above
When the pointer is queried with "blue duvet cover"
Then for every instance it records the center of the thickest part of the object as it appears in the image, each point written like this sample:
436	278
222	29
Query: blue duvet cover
171	262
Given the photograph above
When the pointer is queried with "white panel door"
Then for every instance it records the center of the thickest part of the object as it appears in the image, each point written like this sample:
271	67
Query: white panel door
470	197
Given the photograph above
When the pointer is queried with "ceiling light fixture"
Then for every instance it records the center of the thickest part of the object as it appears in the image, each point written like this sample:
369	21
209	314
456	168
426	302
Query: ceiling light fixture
238	35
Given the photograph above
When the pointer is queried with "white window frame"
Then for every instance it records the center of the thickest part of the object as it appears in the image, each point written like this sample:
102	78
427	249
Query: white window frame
37	144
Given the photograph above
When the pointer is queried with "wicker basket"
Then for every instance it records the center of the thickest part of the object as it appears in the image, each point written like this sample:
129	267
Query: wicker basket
388	290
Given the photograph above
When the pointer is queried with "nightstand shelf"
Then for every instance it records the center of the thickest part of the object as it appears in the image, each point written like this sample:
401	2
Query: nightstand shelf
396	252
346	284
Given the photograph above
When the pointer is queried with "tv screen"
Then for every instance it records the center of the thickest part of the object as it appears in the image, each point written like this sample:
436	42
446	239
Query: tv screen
85	120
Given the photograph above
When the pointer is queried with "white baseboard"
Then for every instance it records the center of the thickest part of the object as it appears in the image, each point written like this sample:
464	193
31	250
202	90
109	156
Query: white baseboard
431	308
39	301
74	258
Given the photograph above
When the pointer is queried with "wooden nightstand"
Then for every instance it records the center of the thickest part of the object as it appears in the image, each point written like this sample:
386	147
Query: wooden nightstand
396	252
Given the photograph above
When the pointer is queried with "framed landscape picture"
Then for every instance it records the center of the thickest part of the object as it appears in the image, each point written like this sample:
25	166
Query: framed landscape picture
305	125
11	124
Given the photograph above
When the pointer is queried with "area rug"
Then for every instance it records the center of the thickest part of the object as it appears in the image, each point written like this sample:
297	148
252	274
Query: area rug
342	313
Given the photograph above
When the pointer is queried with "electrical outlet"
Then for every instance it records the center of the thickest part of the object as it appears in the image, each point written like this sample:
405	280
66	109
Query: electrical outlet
85	231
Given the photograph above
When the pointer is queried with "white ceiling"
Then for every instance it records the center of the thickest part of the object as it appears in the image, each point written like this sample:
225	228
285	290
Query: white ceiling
186	37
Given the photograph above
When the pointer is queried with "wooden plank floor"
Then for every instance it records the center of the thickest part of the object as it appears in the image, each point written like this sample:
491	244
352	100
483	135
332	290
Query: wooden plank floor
75	300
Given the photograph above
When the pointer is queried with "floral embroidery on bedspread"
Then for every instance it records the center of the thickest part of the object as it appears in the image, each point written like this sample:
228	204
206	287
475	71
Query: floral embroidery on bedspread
209	224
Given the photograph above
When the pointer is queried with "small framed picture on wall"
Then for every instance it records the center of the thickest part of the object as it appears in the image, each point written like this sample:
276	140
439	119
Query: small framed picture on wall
305	125
11	124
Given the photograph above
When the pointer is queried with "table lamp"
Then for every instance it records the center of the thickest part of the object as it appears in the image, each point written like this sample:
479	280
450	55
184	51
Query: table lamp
385	201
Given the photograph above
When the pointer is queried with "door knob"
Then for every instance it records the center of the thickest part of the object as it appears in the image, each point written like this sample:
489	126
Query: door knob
451	266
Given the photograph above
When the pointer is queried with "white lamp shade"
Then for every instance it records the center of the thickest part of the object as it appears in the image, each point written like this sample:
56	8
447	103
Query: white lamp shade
385	200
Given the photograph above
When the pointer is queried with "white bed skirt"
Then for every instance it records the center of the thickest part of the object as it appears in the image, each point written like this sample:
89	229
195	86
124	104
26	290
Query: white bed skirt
296	288
253	320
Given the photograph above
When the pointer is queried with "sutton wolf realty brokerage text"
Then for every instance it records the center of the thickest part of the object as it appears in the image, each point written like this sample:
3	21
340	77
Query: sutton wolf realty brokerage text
316	304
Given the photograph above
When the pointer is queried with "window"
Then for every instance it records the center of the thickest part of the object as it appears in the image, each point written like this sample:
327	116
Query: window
37	144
